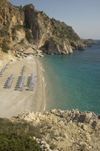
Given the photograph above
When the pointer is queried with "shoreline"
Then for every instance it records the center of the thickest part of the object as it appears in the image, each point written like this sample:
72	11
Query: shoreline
12	101
41	70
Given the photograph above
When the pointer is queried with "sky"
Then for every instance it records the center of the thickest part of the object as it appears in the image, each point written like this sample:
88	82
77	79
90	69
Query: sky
82	15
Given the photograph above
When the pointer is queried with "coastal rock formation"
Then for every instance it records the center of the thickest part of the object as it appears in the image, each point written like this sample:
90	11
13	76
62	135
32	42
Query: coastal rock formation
10	15
52	36
90	41
20	25
55	46
78	45
64	130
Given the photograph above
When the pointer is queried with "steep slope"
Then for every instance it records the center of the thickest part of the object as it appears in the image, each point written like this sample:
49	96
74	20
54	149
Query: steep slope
64	130
10	15
13	35
19	26
52	36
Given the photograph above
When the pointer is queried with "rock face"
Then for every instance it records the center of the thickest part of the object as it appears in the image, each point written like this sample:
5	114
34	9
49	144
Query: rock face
52	36
65	130
53	46
49	35
10	15
78	45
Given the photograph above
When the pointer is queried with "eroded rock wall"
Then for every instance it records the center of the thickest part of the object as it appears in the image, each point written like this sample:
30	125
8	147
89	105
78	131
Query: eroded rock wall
10	15
51	36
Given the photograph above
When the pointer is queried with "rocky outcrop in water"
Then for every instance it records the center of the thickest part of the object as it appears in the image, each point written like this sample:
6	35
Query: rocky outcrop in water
90	41
64	130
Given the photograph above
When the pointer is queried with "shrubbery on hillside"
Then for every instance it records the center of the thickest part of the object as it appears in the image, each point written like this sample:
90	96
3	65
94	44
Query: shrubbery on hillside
17	136
4	32
17	27
5	48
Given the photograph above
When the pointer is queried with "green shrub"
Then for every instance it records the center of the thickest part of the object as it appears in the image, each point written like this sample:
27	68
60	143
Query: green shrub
21	9
5	48
29	6
17	27
17	136
13	37
12	142
4	32
63	31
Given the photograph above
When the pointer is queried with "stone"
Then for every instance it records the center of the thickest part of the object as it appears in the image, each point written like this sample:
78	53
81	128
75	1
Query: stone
99	116
94	124
84	127
65	136
88	137
54	121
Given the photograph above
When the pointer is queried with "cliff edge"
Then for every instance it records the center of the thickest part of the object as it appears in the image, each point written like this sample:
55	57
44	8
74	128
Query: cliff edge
23	27
64	130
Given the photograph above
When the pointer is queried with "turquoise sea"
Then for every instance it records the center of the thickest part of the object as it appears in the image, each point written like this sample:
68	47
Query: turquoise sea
73	81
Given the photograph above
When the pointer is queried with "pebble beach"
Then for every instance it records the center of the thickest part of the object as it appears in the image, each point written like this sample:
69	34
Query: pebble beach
12	100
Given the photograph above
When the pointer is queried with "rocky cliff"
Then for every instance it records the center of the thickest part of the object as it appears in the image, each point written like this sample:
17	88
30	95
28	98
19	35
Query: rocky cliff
10	15
64	130
52	36
19	26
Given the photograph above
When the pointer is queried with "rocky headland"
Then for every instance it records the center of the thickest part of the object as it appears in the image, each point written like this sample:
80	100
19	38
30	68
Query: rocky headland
24	28
90	41
64	130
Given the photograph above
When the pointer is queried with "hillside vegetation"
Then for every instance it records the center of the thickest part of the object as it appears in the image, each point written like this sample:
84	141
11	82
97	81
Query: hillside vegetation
17	136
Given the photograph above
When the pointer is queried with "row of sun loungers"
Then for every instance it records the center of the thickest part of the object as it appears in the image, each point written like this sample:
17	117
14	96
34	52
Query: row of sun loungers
21	79
5	67
20	82
10	80
31	84
23	69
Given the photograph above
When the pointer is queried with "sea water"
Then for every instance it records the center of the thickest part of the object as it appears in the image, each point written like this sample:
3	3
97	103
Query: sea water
73	80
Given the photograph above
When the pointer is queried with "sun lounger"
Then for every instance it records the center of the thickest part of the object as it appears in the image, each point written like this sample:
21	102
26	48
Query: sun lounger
10	80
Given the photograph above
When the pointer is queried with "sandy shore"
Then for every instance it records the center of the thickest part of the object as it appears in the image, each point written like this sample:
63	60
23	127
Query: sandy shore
12	101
